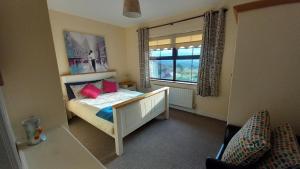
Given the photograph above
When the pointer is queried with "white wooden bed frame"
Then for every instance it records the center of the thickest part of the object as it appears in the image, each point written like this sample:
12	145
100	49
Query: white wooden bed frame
128	115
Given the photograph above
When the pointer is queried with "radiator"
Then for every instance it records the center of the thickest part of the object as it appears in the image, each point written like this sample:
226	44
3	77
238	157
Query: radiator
179	96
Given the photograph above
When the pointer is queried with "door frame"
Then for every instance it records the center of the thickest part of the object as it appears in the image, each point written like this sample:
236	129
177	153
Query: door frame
7	134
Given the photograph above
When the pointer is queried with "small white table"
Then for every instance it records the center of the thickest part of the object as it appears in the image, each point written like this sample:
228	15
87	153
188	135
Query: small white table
61	151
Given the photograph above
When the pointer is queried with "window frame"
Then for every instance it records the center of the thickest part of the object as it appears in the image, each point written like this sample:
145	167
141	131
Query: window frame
174	58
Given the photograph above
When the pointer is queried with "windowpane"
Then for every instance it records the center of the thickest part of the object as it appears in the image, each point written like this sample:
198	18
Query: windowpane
162	57
154	53
167	52
195	69
154	69
196	51
185	51
184	70
166	69
161	69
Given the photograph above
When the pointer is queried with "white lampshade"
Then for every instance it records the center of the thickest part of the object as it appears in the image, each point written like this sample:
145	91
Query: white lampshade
132	9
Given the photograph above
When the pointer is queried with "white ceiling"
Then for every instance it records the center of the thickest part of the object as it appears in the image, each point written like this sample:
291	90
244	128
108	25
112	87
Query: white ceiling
110	11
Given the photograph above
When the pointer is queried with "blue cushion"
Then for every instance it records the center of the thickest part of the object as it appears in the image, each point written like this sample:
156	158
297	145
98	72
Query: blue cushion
106	113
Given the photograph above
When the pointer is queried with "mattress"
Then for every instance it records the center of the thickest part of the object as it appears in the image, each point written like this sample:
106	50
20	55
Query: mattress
88	108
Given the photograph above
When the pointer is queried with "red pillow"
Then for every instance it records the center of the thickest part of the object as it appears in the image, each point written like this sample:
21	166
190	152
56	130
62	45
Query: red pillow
109	87
90	91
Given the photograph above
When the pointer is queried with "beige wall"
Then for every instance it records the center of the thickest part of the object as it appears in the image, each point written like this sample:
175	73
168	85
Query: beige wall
114	39
216	107
122	50
31	74
28	65
267	66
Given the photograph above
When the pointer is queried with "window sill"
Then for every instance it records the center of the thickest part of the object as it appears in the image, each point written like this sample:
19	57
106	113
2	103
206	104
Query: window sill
173	82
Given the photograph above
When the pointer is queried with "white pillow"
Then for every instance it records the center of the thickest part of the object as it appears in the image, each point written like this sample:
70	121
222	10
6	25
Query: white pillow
76	90
98	84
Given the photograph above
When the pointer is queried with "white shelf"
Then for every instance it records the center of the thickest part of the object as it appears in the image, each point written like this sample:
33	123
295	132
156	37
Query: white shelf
61	151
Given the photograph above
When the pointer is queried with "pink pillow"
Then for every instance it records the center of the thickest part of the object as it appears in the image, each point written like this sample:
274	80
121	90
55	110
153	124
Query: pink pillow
109	87
90	91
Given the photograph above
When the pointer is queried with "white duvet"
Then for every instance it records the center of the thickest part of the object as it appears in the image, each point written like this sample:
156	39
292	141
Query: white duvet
109	99
87	109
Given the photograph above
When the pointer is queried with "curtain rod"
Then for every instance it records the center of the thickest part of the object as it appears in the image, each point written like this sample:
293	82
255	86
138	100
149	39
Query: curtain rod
172	23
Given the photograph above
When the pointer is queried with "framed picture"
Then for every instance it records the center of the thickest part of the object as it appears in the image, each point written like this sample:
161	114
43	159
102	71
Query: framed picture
86	53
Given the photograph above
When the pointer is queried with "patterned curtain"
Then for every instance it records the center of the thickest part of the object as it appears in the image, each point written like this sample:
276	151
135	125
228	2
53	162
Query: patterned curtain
212	53
143	38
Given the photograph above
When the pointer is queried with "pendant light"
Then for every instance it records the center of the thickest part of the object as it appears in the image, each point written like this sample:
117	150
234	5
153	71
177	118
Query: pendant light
131	8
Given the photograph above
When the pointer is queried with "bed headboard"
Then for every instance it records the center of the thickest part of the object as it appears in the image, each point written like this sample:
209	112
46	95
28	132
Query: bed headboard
82	78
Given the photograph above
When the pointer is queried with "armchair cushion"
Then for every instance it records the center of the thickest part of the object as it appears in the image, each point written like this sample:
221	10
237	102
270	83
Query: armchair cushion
251	142
230	131
284	152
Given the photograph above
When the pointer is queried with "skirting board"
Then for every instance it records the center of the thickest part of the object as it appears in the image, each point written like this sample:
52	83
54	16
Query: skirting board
182	108
210	115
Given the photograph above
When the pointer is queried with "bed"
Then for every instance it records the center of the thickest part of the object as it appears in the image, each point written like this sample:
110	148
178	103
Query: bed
130	109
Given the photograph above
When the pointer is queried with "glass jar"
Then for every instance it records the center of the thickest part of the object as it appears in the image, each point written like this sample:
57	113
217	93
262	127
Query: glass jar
33	130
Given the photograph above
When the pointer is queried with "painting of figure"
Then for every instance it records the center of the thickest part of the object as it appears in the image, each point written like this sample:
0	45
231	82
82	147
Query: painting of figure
86	53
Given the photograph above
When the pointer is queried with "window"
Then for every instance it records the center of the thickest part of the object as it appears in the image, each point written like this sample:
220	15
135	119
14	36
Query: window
176	58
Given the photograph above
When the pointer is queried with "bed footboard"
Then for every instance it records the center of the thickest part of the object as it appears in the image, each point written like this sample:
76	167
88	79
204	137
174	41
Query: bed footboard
132	114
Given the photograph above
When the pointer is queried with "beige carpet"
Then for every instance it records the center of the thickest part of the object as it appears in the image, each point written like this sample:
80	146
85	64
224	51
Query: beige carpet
182	142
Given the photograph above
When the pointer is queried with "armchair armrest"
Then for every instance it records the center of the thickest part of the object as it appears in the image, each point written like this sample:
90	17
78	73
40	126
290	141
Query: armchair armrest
231	130
229	133
220	152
